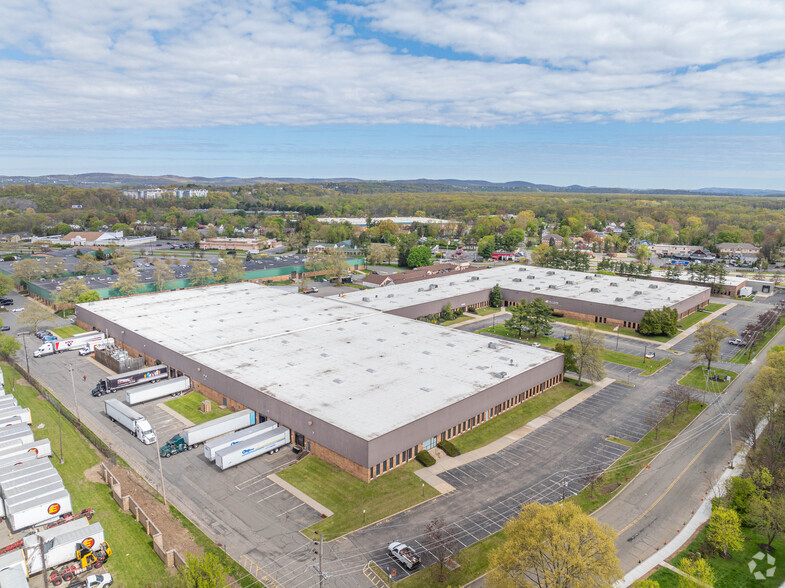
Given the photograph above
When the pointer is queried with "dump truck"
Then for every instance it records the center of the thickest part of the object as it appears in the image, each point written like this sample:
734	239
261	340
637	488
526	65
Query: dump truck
213	446
269	442
175	386
403	554
193	436
93	345
130	419
71	343
143	375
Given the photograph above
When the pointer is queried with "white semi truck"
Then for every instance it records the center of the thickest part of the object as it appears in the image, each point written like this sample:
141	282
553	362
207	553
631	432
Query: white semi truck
139	394
269	442
193	436
93	345
130	419
75	342
213	446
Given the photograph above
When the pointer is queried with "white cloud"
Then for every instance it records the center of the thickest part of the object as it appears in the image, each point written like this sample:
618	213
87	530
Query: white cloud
181	63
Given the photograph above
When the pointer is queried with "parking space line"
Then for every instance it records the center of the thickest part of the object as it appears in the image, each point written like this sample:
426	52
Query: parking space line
291	509
271	495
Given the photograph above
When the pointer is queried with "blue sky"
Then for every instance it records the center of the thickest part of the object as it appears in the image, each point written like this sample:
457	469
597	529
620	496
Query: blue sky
672	94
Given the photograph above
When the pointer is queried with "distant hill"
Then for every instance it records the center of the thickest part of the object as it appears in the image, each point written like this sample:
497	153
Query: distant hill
108	180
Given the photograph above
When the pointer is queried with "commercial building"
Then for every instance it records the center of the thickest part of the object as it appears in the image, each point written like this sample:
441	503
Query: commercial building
584	296
376	280
362	389
239	244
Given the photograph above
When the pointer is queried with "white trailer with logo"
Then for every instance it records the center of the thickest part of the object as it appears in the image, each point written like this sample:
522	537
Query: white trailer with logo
156	390
61	548
213	446
14	416
269	442
38	507
40	448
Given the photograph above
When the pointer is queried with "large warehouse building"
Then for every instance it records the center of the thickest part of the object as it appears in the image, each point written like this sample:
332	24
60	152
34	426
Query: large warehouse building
588	297
362	389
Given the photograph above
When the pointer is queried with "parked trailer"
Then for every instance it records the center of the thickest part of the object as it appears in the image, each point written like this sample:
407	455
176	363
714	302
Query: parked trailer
15	416
40	448
18	438
30	492
12	430
143	375
71	343
93	345
8	400
269	442
215	445
14	559
25	470
37	509
62	548
130	419
157	390
192	436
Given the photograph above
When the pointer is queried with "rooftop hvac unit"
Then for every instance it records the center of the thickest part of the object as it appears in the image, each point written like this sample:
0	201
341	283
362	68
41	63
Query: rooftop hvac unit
433	286
493	345
614	283
517	280
589	277
653	286
420	289
550	273
452	283
570	282
552	286
474	278
630	279
390	295
638	293
521	269
619	299
530	277
595	289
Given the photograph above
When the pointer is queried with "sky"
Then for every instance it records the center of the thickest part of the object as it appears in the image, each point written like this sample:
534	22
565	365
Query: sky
668	94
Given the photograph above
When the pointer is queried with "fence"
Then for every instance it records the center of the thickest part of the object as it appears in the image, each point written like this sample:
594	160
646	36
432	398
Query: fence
171	558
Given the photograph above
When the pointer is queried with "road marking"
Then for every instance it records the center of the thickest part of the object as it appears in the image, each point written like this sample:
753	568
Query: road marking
672	484
271	495
290	510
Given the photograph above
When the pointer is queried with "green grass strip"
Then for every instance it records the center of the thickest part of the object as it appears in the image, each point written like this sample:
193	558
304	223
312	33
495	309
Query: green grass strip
188	406
65	332
696	378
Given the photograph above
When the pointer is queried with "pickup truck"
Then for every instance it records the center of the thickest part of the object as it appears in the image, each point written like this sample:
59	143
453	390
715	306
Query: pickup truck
404	554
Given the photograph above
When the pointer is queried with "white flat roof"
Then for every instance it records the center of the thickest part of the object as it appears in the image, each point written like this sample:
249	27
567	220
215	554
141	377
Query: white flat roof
361	370
398	220
635	293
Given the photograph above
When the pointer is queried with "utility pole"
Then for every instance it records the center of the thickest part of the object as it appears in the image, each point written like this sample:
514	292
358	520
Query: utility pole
43	561
730	430
321	575
27	359
160	468
73	388
60	428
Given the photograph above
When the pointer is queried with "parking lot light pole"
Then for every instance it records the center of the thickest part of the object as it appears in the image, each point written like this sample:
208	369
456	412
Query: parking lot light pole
160	467
73	388
60	428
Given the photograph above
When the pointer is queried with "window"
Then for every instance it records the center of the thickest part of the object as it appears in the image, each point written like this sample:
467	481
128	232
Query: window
384	466
371	473
377	469
410	453
398	459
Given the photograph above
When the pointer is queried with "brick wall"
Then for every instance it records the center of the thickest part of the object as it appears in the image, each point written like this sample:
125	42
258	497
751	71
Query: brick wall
340	461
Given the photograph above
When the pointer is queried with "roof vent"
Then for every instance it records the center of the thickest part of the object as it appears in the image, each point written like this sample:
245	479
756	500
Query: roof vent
390	295
493	345
371	371
614	283
550	273
589	277
552	286
530	277
338	381
452	283
637	293
425	389
474	278
366	299
653	286
501	375
521	269
426	352
324	355
570	282
619	299
420	289
433	286
595	289
517	280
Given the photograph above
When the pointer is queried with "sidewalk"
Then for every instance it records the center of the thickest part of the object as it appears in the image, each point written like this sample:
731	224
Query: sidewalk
684	334
446	463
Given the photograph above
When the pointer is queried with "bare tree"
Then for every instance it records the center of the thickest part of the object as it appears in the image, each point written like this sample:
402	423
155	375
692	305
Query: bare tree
441	542
750	416
654	417
588	348
592	476
675	396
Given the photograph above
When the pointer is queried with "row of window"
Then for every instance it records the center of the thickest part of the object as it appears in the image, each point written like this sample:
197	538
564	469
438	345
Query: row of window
466	425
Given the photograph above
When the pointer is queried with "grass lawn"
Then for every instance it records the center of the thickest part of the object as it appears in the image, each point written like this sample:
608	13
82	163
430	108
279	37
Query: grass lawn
649	366
696	378
234	569
743	357
641	453
733	572
64	332
713	307
455	321
609	329
347	496
692	319
188	406
473	561
486	311
503	331
134	563
515	418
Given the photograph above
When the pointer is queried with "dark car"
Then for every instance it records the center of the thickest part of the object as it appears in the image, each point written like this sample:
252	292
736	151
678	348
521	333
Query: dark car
5	328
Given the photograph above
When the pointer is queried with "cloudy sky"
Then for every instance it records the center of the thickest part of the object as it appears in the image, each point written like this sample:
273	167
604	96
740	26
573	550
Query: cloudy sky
672	93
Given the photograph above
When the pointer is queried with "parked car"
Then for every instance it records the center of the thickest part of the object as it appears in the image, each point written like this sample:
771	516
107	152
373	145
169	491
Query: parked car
20	309
310	290
649	355
5	328
535	344
95	581
736	342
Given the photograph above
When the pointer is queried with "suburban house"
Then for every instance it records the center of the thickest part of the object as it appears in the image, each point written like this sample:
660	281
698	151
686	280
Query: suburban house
558	240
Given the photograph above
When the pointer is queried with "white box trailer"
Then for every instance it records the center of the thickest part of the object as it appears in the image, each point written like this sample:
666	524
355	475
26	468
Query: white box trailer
17	438
8	400
15	416
220	426
12	430
44	482
30	491
25	470
157	390
130	419
268	442
32	509
61	548
40	448
14	560
213	446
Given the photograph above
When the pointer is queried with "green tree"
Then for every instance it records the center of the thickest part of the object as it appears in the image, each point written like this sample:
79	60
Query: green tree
127	283
405	244
541	254
486	246
6	284
539	317
699	569
162	274
230	269
447	313
767	516
9	346
204	571
589	348
379	253
566	349
495	298
517	320
34	315
27	270
724	530
419	256
709	339
330	263
88	265
124	258
191	236
556	546
659	322
71	290
642	253
201	273
647	584
89	296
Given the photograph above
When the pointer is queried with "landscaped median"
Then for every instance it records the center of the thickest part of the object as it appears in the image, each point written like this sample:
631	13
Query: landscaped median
65	332
474	559
697	378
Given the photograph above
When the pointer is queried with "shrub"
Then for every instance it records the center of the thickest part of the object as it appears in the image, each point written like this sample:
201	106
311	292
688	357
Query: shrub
557	313
448	448
425	458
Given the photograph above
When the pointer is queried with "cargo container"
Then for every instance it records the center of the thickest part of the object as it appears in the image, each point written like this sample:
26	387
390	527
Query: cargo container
143	375
29	510
213	446
62	548
130	419
192	436
139	394
13	430
269	442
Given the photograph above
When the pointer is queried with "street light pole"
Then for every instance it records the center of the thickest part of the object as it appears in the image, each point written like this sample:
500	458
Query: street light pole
60	428
73	388
160	467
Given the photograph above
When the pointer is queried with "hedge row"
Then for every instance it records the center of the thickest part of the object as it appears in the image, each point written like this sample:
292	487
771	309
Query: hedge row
448	448
425	458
